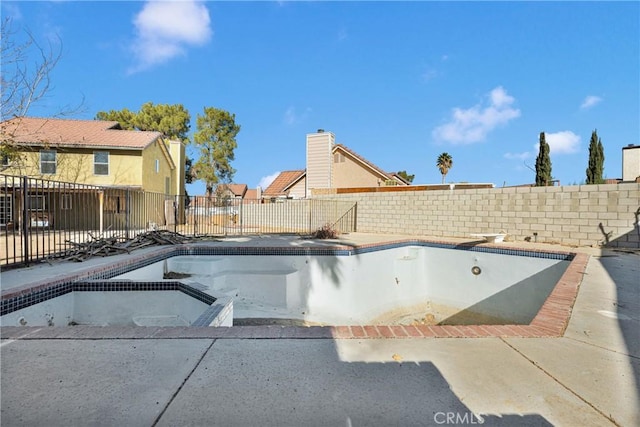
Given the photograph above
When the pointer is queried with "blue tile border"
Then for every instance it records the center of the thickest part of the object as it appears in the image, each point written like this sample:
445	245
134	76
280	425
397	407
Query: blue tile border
466	247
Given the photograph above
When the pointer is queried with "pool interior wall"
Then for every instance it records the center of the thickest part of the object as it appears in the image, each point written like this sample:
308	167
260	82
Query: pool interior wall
396	285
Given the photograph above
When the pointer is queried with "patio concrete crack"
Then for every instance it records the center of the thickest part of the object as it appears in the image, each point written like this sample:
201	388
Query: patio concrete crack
533	362
159	417
603	348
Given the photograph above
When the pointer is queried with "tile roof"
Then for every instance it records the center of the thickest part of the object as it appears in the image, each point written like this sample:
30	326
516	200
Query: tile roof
74	133
287	178
251	194
282	181
236	189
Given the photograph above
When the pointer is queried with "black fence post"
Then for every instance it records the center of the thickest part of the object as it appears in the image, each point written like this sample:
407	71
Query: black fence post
25	220
176	203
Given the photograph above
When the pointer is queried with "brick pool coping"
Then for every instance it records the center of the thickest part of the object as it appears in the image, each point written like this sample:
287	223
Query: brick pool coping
551	320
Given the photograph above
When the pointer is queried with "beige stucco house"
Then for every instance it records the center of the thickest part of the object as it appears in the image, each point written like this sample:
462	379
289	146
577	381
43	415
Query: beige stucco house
94	152
329	165
98	153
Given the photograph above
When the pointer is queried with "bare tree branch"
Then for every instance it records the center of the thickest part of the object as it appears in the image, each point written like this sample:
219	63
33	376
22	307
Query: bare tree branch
25	79
26	72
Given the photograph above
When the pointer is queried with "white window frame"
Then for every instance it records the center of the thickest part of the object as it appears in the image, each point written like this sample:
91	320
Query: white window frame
66	202
96	163
157	166
6	207
49	162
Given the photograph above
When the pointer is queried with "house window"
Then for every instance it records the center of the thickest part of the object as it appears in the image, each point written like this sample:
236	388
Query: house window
6	213
65	202
5	160
37	203
157	166
48	162
101	163
338	158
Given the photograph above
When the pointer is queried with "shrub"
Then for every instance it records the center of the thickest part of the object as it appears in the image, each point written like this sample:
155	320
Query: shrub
325	232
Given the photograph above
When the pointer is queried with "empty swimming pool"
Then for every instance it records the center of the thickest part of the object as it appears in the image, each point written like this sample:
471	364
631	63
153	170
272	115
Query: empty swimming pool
393	284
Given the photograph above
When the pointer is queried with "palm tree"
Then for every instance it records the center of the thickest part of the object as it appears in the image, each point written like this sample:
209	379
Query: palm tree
444	163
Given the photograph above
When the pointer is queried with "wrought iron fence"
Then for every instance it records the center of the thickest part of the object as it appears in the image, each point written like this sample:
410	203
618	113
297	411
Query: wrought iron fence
42	218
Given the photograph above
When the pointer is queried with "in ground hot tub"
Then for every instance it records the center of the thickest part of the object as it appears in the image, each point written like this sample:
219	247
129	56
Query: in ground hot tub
120	303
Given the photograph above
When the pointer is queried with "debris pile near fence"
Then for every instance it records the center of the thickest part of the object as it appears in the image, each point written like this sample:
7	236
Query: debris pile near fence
113	245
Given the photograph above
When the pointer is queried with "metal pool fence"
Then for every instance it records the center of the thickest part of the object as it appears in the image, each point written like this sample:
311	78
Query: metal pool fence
41	218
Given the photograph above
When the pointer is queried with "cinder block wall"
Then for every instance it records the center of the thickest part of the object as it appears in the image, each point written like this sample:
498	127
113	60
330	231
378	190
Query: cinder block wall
585	215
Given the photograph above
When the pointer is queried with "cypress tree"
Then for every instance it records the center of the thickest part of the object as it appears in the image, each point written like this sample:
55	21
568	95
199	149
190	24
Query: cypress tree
543	164
595	168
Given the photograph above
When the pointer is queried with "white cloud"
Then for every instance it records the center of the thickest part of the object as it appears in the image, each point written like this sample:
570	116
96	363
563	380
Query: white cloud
165	29
292	117
590	101
518	156
266	181
429	74
565	142
473	124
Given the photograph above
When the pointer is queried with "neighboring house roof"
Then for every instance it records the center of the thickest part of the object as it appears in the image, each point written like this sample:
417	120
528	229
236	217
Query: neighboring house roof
251	194
287	179
75	133
283	182
237	190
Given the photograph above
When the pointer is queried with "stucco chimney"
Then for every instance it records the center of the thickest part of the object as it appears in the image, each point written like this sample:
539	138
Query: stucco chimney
319	146
630	162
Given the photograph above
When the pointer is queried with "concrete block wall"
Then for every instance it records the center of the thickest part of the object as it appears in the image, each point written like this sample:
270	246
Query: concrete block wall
585	215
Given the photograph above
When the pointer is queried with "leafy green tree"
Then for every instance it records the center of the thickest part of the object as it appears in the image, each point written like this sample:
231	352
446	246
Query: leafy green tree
444	163
404	175
173	121
216	138
595	169
543	164
188	170
125	117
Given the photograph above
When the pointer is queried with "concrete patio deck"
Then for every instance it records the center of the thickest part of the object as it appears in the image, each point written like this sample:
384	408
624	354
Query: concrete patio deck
239	377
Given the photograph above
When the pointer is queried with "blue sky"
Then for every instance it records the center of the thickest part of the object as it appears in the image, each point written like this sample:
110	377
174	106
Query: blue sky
397	82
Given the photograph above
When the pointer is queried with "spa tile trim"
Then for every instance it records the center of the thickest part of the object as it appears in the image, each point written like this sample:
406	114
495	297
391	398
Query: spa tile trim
25	300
